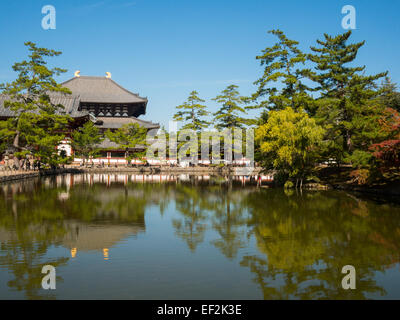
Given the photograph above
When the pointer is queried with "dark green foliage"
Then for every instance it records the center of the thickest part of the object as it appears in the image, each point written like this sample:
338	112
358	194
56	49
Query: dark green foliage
85	140
389	96
132	138
229	114
345	106
38	125
192	113
283	63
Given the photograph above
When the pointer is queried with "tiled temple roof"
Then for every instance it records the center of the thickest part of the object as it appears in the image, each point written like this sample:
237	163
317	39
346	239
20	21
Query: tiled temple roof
101	90
69	102
114	122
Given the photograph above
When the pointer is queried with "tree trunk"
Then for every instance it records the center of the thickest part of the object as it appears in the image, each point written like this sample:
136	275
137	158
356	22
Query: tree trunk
16	140
349	143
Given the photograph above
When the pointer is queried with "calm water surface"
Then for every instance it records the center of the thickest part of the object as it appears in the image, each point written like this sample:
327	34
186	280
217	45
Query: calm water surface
186	237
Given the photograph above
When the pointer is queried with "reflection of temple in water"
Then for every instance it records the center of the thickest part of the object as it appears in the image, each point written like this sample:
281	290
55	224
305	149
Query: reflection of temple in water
106	220
109	178
82	237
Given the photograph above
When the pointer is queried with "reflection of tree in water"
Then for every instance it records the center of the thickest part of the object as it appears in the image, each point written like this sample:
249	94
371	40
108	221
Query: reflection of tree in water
229	220
31	236
25	260
308	239
191	203
222	205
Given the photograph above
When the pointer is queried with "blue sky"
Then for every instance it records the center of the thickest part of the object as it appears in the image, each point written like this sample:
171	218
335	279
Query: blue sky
164	49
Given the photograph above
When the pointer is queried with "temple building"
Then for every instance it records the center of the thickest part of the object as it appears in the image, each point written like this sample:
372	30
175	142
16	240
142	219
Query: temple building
103	101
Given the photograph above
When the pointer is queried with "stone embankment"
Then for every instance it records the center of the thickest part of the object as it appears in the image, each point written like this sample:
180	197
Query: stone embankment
177	170
18	175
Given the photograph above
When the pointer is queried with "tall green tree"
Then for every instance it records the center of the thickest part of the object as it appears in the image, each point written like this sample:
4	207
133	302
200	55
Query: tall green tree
229	114
85	141
192	112
345	106
283	63
389	96
38	123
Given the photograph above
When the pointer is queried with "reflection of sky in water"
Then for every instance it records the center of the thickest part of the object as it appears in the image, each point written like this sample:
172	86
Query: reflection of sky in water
208	241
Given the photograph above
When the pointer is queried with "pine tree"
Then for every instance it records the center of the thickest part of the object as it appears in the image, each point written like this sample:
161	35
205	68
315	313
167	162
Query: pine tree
38	123
390	97
85	140
130	137
192	112
228	116
345	106
284	63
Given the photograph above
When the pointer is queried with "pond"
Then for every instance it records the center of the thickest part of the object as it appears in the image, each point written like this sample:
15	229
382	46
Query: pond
193	237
